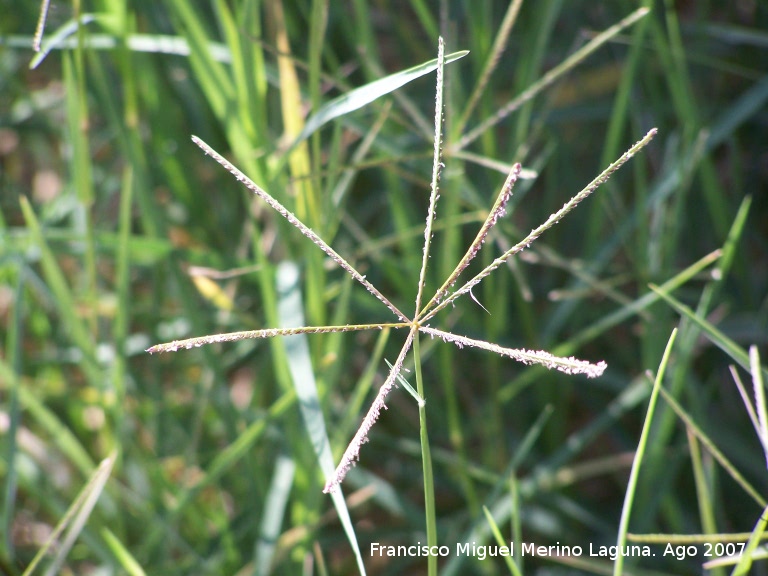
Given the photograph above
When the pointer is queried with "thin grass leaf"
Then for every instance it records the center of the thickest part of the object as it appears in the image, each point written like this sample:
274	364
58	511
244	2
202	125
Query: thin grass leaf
551	76
273	516
410	389
491	62
359	97
711	332
719	456
123	555
748	406
74	519
759	388
751	549
492	164
701	483
501	542
629	497
290	312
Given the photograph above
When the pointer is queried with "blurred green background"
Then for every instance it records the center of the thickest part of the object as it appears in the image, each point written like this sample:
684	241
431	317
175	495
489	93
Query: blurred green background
117	232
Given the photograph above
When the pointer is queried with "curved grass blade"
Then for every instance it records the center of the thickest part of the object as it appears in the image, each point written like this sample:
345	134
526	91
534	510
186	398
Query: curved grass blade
712	333
75	517
290	313
274	512
61	36
359	97
641	445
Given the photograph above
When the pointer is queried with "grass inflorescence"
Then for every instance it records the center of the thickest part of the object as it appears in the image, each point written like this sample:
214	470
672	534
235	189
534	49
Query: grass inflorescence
452	210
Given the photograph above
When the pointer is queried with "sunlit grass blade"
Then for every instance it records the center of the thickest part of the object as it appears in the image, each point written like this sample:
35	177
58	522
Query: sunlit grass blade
359	97
550	77
639	454
290	312
74	519
274	513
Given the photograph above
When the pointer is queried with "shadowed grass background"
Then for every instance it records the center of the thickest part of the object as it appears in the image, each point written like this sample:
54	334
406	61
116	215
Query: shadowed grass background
215	472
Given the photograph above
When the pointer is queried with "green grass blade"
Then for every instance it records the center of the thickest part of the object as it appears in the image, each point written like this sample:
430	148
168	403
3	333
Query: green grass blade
74	519
639	454
714	335
123	555
745	560
273	516
714	451
65	300
499	537
289	309
430	511
359	97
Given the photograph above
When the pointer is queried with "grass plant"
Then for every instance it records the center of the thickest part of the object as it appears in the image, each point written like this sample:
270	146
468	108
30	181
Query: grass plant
116	233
